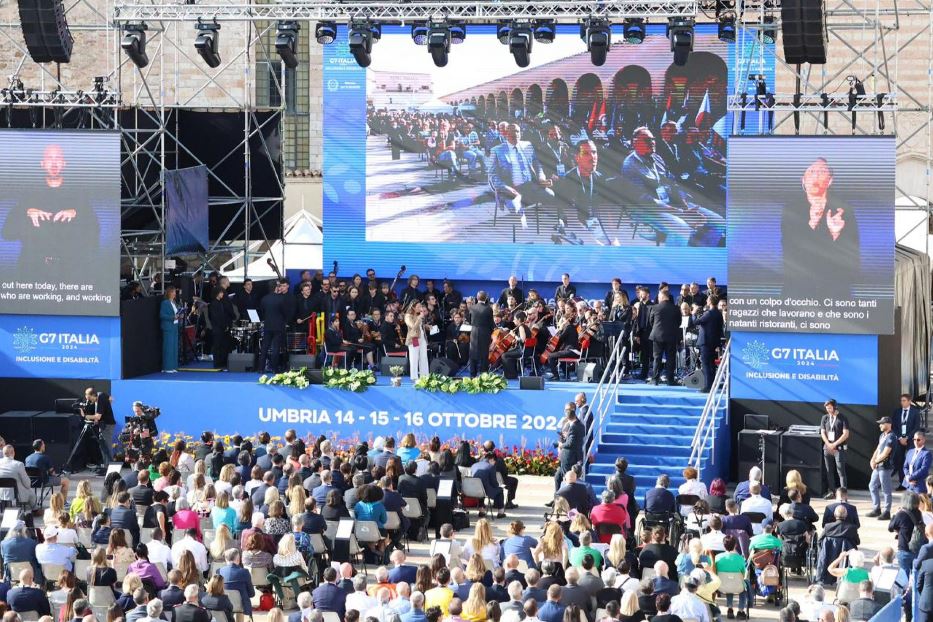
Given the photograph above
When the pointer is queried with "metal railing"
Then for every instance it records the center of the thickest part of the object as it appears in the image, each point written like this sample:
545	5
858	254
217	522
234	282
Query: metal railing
604	398
705	434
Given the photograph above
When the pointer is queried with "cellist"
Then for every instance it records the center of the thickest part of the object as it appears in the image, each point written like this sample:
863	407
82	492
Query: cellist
511	358
565	341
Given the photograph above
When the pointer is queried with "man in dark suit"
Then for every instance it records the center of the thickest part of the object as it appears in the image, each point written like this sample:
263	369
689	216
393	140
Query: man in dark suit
538	594
190	611
575	493
237	578
511	483
642	329
28	597
660	500
570	445
906	422
553	611
401	572
124	517
865	606
917	464
665	331
276	309
924	578
842	499
142	492
485	470
327	596
512	290
585	190
566	290
174	594
411	487
573	594
482	321
512	574
710	337
497	591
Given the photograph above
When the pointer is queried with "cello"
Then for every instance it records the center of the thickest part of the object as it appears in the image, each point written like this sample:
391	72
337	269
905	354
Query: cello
503	340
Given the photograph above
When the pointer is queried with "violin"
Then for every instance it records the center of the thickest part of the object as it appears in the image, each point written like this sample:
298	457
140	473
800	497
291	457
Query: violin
364	329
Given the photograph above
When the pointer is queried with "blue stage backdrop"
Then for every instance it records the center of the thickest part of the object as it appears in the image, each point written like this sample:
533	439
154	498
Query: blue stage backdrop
59	347
384	206
805	368
512	417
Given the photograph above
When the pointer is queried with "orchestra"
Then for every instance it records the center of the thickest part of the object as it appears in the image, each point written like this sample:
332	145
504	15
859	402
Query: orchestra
362	319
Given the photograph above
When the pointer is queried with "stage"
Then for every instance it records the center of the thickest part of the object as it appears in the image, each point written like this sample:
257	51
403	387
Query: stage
238	404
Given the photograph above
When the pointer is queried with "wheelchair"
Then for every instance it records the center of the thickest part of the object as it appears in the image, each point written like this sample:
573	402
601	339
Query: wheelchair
799	556
776	587
671	521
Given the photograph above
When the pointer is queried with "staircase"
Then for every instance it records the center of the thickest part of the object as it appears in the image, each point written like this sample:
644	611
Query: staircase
653	427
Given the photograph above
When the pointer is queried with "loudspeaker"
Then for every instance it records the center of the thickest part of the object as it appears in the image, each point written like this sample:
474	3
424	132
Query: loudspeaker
444	367
531	383
297	361
45	30
695	379
587	372
316	376
750	455
804	453
803	27
391	361
65	405
757	422
16	428
60	433
241	361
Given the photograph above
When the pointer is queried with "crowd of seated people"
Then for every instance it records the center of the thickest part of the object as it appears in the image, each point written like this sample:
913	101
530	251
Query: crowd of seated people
216	540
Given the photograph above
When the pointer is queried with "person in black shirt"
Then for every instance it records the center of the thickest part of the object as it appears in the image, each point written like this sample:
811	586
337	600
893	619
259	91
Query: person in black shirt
665	331
246	299
99	407
410	293
512	290
481	334
389	330
642	329
567	341
354	338
276	311
566	290
834	431
220	324
305	305
333	338
903	524
522	334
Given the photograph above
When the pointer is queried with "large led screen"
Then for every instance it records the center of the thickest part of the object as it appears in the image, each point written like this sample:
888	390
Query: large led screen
482	168
811	234
59	222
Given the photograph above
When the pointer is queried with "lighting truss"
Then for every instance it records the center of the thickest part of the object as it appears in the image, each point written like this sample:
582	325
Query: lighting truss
27	98
459	10
828	102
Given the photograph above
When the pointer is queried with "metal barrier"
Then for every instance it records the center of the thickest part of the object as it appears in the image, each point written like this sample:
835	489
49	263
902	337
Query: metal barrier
705	434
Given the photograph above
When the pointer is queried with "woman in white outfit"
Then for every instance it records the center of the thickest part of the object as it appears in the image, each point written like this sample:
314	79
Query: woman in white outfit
416	340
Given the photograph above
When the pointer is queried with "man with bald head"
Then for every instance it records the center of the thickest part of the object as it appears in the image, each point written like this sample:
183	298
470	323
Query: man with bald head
516	175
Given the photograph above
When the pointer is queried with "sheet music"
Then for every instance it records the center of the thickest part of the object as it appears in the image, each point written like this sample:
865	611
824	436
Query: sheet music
253	315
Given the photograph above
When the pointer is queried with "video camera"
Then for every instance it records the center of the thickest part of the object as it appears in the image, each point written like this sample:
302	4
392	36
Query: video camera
140	430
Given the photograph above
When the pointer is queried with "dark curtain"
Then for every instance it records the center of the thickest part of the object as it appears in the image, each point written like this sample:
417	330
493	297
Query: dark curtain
142	337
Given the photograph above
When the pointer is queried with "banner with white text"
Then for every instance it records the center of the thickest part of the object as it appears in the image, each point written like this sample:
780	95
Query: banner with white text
41	346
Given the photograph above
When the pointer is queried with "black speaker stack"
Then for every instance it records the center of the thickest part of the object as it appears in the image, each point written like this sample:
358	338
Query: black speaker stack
803	27
45	30
59	431
782	450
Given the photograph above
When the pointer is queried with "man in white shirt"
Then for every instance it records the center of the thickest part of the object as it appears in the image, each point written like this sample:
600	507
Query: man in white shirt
51	552
447	545
190	543
757	503
359	599
712	541
402	601
158	550
687	605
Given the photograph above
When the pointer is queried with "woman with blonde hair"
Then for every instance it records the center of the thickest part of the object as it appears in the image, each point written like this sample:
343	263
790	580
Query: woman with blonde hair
276	522
131	583
118	549
296	500
223	483
215	599
476	569
56	507
474	607
200	468
629	611
552	546
579	524
691	558
100	572
84	499
794	481
223	540
275	615
617	550
188	569
482	543
271	496
222	513
289	564
196	486
409	448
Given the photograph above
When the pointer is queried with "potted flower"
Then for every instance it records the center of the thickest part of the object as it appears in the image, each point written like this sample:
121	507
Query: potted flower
396	371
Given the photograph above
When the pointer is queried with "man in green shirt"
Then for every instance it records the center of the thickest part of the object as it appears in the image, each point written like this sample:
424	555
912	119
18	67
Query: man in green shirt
766	540
585	548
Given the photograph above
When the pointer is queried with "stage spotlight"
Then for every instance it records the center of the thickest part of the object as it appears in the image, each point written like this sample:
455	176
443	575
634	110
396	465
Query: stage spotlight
457	33
439	43
207	43
520	40
419	34
360	37
545	30
597	34
725	20
286	42
134	44
503	30
767	34
633	30
325	32
680	33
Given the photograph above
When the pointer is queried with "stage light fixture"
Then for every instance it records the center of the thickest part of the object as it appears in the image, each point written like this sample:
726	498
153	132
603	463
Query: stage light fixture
725	20
597	34
207	43
633	30
325	32
503	30
360	37
457	32
767	33
545	30
680	33
439	43
520	40
134	44
286	42
419	34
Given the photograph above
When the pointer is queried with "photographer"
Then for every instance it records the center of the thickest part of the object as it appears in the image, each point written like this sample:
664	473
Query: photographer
140	429
98	408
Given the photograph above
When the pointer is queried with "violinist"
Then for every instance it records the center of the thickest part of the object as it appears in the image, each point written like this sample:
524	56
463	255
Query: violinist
354	338
433	325
458	342
376	299
568	340
375	328
512	306
592	336
391	333
533	299
387	293
522	333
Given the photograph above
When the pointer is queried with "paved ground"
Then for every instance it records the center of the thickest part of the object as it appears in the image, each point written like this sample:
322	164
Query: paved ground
533	492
